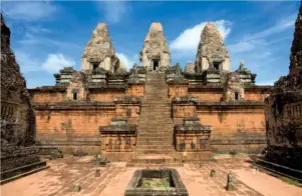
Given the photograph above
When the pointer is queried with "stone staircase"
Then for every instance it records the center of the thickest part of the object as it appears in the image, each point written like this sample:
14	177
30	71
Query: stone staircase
155	138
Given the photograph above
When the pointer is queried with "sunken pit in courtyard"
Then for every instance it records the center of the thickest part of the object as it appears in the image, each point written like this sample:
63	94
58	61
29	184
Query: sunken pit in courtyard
161	182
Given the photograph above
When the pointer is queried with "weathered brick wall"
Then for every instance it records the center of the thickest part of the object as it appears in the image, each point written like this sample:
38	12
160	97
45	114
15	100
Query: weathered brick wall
255	96
178	90
72	128
136	90
132	112
118	142
207	96
182	111
41	97
234	127
105	96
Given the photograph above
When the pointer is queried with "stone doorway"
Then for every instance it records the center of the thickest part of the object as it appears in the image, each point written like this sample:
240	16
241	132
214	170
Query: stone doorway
155	65
216	65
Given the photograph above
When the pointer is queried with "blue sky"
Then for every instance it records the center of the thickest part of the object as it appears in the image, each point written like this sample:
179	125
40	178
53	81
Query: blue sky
48	35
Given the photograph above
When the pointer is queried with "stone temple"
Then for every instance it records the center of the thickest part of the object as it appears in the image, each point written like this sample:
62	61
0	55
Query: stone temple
155	108
19	155
153	115
283	109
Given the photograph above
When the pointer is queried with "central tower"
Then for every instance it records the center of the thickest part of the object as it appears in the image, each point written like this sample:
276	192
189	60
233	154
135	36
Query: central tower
155	55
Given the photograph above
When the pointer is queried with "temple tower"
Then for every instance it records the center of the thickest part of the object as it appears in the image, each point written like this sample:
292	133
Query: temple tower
155	54
99	51
212	53
283	109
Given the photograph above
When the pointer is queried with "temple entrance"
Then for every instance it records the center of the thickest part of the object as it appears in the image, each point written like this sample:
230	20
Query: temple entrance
216	65
155	65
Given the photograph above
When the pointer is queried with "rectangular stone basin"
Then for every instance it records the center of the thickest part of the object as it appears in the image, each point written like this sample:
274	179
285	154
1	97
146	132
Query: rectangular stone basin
159	182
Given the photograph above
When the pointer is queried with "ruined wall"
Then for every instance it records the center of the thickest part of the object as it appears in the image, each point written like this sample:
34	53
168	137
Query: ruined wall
99	51
155	48
211	50
70	128
283	109
18	153
15	99
41	97
136	90
234	127
105	96
177	90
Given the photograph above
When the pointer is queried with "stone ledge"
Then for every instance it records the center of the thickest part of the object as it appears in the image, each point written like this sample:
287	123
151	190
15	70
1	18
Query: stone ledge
193	128
237	142
128	99
233	103
70	105
119	129
54	143
48	89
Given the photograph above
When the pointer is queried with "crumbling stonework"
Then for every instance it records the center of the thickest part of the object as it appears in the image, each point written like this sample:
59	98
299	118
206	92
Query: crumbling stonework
17	117
190	67
211	51
77	89
234	89
283	109
192	136
155	54
77	112
99	51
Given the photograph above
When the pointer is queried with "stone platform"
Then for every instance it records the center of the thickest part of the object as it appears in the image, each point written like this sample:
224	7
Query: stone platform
63	173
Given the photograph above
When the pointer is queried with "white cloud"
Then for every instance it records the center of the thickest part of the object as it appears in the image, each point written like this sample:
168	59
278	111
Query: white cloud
266	82
128	61
52	64
247	45
280	26
114	10
28	10
188	40
26	62
55	62
258	40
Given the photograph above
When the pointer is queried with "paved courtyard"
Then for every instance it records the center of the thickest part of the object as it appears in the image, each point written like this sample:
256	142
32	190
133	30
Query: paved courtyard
58	180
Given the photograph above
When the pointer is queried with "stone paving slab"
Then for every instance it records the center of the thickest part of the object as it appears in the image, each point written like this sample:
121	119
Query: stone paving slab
58	180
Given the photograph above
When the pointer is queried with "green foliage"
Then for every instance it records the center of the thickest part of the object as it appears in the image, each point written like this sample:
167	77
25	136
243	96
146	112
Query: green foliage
291	181
201	165
233	153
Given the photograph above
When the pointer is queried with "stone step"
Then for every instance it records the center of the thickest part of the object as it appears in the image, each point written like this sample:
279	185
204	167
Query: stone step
153	142
153	147
155	129
150	151
154	159
160	124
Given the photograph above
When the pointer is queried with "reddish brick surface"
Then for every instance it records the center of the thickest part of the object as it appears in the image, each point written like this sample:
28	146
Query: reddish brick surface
57	180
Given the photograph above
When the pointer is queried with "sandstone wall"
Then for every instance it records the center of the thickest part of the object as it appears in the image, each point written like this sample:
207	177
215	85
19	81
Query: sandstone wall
234	127
72	129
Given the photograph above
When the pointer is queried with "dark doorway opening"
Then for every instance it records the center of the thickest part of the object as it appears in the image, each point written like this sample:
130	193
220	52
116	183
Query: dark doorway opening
236	94
155	65
75	96
216	65
95	66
